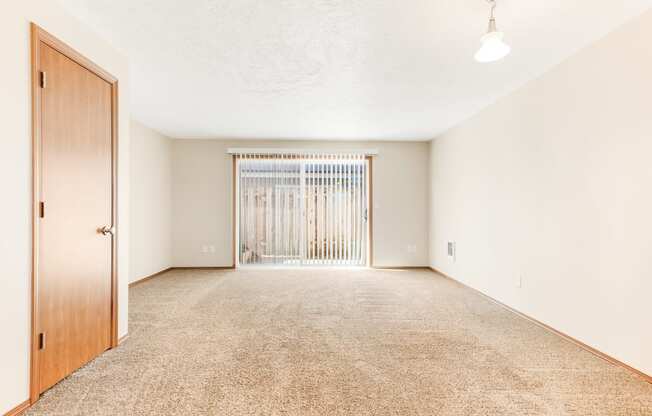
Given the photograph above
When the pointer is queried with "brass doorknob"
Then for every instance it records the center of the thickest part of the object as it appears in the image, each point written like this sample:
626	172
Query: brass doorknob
106	230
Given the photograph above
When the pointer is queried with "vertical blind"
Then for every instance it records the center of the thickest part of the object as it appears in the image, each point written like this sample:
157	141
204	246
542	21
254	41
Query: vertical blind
302	209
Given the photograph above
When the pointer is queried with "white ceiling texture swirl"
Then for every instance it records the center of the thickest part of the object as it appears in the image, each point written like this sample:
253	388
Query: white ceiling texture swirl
333	69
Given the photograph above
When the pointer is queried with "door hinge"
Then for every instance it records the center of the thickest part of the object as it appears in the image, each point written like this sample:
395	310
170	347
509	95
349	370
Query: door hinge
41	209
43	79
41	341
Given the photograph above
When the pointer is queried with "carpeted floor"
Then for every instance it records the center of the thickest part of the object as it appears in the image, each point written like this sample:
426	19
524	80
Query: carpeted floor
337	342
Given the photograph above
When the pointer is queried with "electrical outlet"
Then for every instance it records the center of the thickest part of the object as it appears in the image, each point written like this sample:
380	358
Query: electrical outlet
451	250
412	248
211	249
204	249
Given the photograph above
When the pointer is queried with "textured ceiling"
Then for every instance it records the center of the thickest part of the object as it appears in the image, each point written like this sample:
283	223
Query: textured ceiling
333	69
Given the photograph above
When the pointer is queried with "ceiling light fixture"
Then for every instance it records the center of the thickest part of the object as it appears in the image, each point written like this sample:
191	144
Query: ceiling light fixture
493	48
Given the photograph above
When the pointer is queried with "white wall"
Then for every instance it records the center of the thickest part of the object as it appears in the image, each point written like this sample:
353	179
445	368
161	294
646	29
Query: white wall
15	177
554	182
202	202
151	202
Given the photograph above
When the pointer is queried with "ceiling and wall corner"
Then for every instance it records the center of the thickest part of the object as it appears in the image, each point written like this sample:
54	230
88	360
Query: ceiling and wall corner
339	69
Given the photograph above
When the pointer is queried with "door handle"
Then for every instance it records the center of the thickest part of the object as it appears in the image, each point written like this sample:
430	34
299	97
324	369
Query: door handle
106	230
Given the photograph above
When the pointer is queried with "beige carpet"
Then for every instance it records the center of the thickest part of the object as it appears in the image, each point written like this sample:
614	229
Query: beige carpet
337	342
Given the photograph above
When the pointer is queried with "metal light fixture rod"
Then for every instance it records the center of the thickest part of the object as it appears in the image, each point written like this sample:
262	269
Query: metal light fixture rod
492	18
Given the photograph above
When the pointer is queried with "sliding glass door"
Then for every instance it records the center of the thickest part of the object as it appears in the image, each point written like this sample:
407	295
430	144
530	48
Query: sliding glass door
302	210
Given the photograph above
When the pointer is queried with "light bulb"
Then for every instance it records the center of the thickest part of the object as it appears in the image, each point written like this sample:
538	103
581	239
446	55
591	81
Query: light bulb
493	48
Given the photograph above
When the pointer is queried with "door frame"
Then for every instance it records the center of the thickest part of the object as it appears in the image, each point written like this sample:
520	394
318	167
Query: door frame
38	36
235	207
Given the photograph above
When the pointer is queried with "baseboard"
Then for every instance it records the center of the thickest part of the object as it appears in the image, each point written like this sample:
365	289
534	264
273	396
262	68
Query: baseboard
123	338
151	276
203	268
568	338
18	410
400	267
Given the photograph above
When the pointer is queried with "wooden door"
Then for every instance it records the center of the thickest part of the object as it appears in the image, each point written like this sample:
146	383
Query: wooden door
74	290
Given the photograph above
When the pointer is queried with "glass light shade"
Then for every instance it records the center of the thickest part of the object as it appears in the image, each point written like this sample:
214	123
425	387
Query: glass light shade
493	48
